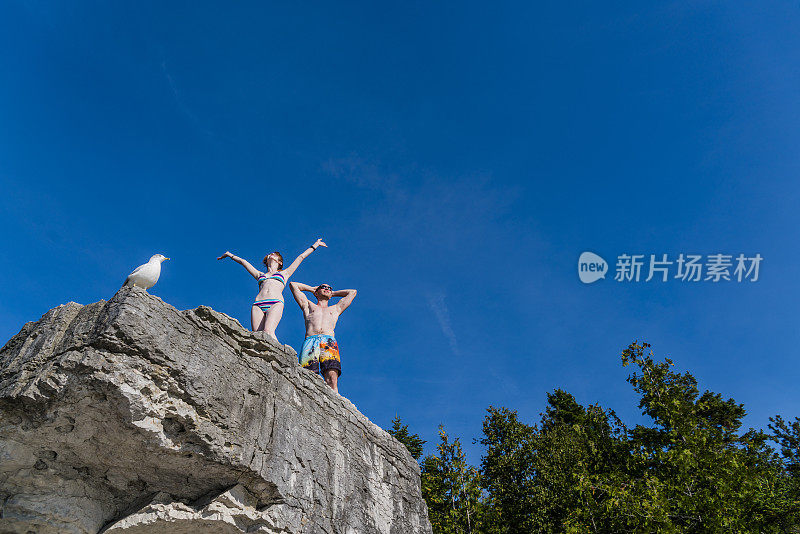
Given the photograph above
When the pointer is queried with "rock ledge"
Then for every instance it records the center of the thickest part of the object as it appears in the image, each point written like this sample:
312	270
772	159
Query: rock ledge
131	416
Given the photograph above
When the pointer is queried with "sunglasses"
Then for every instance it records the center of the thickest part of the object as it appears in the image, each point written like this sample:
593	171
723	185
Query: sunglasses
325	286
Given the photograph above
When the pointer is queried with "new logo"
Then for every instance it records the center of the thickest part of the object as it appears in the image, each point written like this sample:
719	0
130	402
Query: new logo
591	267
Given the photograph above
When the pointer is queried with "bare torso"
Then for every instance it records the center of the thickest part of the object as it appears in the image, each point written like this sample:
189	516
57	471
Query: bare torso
270	289
320	319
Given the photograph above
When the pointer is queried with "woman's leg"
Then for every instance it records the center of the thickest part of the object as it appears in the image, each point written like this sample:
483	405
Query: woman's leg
272	319
256	318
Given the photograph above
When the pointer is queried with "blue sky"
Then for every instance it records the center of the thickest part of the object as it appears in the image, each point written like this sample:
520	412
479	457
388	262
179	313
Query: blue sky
456	158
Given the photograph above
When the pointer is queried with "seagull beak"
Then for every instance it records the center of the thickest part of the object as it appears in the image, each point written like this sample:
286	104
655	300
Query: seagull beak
166	259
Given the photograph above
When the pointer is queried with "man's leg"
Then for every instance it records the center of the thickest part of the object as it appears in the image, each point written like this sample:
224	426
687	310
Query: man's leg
329	360
332	379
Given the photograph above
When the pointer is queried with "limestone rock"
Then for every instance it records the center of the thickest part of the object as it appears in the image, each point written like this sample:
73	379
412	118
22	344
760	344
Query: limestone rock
129	416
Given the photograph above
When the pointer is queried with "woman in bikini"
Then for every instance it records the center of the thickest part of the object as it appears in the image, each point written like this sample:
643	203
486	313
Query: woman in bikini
266	312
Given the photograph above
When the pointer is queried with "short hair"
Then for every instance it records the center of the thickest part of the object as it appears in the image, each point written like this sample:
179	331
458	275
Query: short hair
280	259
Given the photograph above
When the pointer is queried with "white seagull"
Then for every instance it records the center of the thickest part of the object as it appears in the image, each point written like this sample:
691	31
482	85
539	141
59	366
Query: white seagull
146	276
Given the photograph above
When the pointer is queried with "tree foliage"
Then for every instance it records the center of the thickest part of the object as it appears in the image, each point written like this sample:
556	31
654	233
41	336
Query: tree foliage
579	469
412	441
451	488
691	471
787	435
534	475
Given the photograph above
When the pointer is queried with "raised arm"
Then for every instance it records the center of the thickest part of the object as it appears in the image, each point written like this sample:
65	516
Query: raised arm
243	262
297	292
347	298
289	271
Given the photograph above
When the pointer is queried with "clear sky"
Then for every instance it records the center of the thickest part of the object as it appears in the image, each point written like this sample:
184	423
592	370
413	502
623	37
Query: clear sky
457	158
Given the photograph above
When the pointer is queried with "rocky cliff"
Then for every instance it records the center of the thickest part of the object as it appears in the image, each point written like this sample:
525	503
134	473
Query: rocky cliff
131	416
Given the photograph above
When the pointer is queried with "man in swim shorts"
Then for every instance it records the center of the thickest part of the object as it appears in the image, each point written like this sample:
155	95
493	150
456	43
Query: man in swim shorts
320	353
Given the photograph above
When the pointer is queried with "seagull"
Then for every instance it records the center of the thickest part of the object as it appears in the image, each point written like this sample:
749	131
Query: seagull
146	276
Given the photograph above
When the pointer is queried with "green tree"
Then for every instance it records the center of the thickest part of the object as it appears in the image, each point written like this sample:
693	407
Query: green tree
577	447
533	474
507	472
691	471
787	435
451	488
412	441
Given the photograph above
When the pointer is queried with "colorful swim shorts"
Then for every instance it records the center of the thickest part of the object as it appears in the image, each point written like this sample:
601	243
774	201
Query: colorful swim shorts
321	350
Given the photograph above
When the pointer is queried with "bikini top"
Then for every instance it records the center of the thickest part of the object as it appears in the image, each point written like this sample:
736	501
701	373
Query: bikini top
275	276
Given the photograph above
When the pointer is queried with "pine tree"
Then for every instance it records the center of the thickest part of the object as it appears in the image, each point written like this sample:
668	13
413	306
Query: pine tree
451	488
787	435
412	441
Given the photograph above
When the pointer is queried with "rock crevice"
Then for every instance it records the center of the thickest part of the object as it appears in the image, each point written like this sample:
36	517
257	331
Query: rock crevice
132	416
